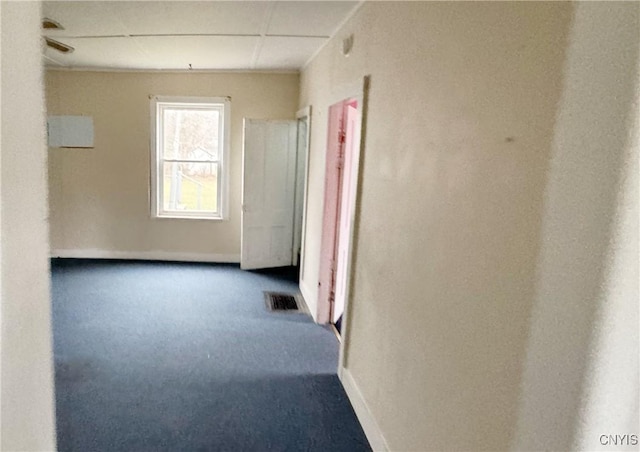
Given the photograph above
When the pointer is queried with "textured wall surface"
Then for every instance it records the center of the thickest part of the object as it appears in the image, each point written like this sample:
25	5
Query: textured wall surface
491	165
581	378
26	378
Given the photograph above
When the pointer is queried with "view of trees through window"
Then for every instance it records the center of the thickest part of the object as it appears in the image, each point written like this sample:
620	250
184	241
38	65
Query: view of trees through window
190	159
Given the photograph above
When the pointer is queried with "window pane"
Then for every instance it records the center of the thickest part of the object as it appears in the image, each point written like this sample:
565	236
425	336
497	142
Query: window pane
190	133
190	187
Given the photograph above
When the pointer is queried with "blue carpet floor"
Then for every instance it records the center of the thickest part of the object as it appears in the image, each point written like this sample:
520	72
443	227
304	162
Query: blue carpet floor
185	357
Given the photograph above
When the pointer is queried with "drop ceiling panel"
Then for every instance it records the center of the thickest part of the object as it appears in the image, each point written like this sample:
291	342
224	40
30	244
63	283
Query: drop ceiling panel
206	34
99	52
287	53
308	18
202	52
185	17
83	19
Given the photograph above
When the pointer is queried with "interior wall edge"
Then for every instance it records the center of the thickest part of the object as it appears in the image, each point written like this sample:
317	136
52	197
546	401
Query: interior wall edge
586	280
310	298
27	408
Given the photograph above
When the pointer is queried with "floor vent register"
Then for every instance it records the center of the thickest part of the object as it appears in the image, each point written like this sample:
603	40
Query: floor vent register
280	301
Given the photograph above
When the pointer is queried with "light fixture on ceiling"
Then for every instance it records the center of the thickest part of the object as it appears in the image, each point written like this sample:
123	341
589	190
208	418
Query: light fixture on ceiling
50	24
59	46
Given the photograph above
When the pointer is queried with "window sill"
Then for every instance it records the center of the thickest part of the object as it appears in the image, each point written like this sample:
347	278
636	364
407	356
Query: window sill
187	217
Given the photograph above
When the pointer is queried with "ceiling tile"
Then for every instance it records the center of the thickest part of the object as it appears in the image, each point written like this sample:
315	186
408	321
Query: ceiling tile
185	17
83	19
310	18
287	53
100	52
138	34
110	18
202	52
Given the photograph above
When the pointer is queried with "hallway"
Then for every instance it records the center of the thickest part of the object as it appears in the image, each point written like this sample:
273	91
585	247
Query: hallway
176	356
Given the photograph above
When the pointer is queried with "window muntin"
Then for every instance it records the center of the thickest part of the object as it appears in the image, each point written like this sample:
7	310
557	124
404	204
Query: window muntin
190	148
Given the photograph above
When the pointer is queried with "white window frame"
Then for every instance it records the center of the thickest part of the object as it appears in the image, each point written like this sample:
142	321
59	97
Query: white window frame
157	205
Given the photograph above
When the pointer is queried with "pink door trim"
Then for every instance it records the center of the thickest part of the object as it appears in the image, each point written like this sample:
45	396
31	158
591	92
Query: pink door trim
333	195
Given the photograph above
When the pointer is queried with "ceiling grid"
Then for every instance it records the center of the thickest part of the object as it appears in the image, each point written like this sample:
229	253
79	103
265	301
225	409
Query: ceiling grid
208	35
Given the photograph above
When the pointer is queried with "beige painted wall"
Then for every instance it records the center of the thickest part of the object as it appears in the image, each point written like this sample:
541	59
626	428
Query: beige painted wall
581	373
100	197
461	113
460	136
612	384
26	377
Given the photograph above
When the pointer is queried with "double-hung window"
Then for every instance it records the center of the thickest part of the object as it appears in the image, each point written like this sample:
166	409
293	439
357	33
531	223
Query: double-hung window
190	147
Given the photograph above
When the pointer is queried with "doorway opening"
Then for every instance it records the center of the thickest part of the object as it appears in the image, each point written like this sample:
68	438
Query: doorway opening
342	161
275	154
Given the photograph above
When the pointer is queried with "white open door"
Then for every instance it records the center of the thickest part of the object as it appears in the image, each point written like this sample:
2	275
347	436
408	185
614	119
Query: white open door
268	190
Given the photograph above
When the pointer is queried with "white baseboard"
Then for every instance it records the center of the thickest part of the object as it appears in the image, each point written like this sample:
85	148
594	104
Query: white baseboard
309	299
146	255
367	421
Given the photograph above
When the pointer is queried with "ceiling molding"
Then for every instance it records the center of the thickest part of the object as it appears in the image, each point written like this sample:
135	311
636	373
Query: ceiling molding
162	35
168	71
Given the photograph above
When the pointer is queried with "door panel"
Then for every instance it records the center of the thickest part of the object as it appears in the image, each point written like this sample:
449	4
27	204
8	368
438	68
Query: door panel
347	205
331	210
268	187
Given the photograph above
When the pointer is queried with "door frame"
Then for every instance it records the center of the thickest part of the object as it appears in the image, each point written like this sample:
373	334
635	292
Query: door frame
331	209
300	114
360	92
